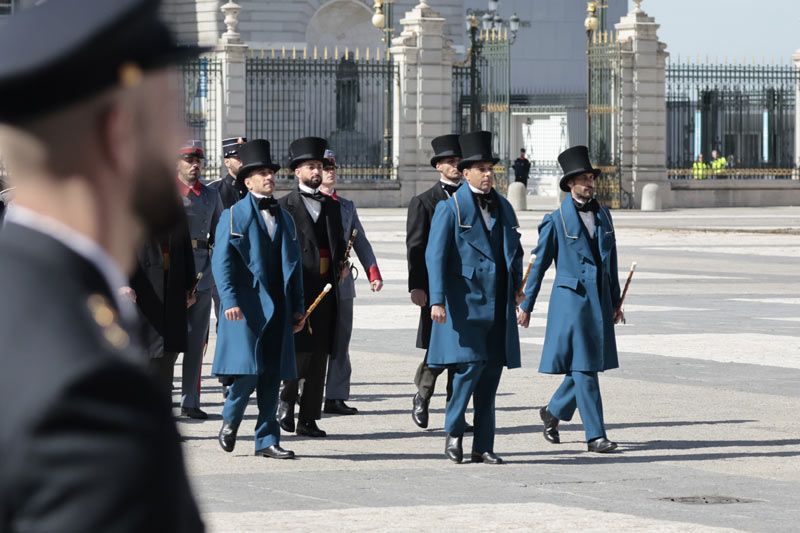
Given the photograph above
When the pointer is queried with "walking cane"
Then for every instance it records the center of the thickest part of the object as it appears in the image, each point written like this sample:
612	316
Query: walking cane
527	273
625	290
314	305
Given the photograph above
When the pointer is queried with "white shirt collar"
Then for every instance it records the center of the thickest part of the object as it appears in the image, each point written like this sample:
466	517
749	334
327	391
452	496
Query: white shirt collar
474	189
305	188
448	182
81	245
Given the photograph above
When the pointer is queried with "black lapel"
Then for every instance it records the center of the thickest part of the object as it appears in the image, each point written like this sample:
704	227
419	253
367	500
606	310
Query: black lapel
302	218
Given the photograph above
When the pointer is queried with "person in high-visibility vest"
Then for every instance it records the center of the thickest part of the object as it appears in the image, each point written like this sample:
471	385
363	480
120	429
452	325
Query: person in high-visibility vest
700	168
718	164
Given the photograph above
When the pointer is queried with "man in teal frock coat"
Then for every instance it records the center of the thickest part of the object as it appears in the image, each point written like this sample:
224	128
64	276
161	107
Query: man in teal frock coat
474	259
584	304
258	275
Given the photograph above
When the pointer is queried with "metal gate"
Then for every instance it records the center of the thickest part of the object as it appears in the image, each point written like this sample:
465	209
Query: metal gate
492	82
342	95
604	117
202	100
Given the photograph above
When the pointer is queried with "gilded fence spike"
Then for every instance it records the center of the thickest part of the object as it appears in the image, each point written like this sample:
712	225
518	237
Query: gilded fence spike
273	53
283	52
325	52
336	52
346	52
315	51
262	53
294	52
505	34
366	55
305	53
356	58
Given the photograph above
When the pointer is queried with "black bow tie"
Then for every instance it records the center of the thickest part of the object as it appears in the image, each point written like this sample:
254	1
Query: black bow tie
268	204
316	195
485	201
589	207
449	189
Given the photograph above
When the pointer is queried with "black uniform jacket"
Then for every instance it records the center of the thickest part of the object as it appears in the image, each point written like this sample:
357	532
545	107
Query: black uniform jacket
230	190
88	439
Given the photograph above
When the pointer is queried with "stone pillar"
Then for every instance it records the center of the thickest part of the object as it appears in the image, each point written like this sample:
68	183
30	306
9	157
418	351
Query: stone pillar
643	102
232	53
422	97
796	62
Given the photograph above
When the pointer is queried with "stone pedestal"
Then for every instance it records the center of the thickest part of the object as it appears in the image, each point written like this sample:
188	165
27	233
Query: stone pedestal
643	102
423	97
517	196
231	52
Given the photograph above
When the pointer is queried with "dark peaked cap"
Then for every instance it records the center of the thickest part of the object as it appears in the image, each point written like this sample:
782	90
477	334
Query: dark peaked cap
62	52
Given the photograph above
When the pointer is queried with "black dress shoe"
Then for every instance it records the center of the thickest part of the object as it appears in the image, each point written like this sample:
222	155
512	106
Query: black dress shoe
309	428
276	452
550	426
338	407
602	445
286	416
452	449
227	436
486	457
194	412
419	413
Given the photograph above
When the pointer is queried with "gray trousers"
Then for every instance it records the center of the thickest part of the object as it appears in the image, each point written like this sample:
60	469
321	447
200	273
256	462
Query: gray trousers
199	319
425	379
339	369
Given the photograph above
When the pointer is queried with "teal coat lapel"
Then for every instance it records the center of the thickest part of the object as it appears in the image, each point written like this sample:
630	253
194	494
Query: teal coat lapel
472	228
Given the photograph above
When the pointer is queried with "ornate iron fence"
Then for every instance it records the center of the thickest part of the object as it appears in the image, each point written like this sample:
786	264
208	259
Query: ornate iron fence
493	88
341	95
202	100
603	117
744	112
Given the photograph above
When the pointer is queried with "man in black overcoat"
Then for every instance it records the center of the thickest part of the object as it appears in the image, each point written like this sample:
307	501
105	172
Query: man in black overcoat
319	228
446	156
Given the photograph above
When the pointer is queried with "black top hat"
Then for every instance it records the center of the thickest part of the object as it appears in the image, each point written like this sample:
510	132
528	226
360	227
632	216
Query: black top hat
111	44
445	146
230	146
255	155
575	161
306	149
476	147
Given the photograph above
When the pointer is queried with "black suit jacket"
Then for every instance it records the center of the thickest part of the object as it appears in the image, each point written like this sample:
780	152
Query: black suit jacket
418	227
230	190
88	439
323	339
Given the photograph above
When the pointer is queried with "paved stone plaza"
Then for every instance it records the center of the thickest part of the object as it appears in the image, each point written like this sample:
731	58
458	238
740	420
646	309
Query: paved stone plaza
705	404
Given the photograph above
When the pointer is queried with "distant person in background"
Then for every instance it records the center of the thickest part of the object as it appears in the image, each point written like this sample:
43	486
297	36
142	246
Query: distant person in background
718	164
700	168
522	168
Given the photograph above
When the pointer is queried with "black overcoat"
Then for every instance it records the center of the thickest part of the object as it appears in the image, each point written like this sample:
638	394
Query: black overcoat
323	333
418	228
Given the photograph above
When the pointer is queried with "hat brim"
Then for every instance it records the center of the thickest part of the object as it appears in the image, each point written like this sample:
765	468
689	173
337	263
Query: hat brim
562	184
294	163
469	161
435	159
248	169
